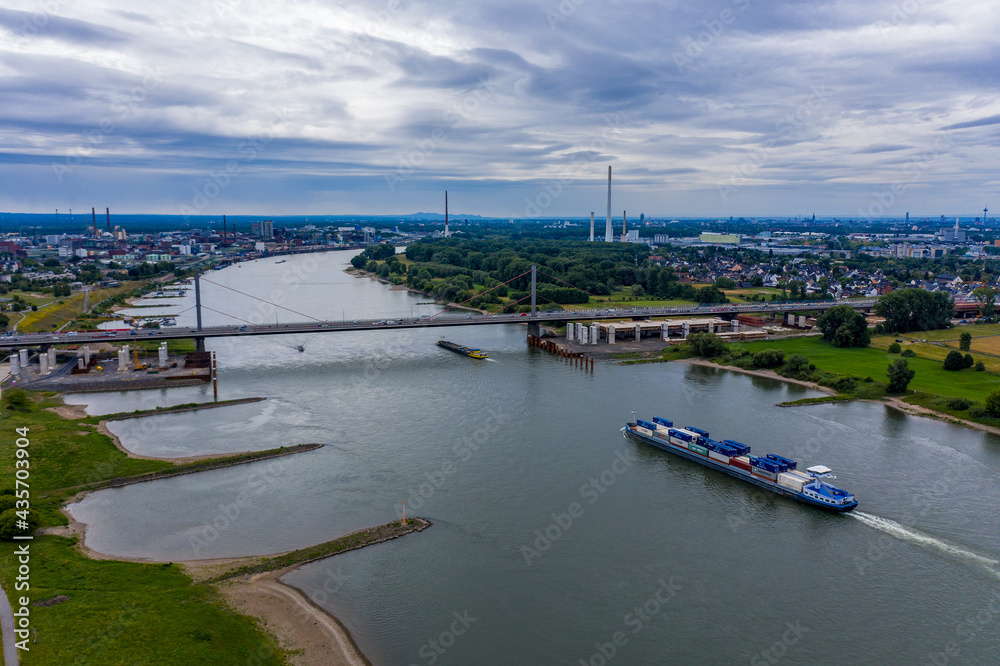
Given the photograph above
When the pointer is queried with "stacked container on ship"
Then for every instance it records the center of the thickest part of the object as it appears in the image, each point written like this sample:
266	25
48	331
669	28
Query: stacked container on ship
771	471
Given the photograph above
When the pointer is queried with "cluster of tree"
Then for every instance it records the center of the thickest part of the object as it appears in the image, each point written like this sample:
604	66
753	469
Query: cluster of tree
143	270
955	361
373	253
61	289
596	268
900	373
706	345
843	326
915	310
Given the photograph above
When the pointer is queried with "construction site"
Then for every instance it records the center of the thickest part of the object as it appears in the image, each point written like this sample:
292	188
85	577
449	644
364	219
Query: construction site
106	368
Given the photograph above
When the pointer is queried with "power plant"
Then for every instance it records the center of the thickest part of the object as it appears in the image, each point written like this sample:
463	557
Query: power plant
609	235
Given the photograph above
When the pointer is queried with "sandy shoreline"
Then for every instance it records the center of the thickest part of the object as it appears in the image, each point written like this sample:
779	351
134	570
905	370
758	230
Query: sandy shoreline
891	402
314	636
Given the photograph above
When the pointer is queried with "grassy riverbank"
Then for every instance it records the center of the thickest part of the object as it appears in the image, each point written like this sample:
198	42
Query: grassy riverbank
860	373
116	612
353	541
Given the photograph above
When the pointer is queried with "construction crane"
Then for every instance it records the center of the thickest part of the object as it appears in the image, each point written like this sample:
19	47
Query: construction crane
138	366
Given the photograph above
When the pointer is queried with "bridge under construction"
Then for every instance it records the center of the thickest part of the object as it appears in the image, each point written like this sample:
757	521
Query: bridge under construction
534	320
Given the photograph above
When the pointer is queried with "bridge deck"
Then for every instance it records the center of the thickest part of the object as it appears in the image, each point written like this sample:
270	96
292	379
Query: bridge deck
429	321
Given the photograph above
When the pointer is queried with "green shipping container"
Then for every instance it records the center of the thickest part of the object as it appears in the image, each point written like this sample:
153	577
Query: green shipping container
697	448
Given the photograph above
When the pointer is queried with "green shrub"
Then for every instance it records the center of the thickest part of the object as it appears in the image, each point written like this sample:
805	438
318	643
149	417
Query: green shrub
17	400
908	353
954	361
969	361
959	404
980	366
769	358
894	348
993	403
843	384
8	524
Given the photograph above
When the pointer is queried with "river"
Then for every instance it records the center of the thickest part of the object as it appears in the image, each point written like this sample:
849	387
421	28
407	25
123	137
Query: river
555	540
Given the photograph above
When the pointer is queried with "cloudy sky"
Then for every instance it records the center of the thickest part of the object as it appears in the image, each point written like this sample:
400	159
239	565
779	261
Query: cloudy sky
708	108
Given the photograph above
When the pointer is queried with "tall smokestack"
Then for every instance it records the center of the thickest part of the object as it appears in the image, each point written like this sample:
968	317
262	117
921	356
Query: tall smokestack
591	226
624	231
93	220
608	233
446	213
223	229
107	211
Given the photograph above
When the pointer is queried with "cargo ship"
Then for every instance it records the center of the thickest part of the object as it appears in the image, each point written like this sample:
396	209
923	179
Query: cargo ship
771	471
459	349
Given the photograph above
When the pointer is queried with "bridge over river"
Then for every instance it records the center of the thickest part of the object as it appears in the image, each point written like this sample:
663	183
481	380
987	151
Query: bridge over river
534	319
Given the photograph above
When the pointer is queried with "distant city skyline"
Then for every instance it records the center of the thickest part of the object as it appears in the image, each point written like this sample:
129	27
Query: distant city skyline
726	108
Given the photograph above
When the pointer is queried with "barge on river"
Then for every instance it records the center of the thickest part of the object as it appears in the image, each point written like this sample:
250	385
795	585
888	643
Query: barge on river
771	472
465	351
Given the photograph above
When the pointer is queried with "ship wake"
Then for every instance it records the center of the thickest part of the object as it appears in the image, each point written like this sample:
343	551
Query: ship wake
916	537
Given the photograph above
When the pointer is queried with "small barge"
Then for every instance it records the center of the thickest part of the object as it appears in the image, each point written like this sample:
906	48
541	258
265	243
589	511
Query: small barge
465	351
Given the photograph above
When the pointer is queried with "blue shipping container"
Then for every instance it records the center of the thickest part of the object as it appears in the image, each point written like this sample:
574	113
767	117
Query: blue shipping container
727	451
742	448
663	421
703	433
645	424
769	465
781	459
683	436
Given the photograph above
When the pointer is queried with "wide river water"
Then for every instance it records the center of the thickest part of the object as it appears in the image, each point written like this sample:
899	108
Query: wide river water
555	540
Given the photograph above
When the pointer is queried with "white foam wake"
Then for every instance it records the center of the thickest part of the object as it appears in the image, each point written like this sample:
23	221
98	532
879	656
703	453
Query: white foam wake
919	538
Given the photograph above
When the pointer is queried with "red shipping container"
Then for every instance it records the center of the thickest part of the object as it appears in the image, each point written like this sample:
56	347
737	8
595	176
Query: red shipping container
736	462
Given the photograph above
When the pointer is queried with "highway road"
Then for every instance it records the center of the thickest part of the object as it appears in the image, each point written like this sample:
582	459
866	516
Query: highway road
427	321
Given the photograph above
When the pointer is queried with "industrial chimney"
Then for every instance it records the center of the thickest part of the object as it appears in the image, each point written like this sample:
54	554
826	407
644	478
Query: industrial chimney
608	233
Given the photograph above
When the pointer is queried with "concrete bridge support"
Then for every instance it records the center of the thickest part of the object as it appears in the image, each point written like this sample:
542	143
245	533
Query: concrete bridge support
534	328
611	334
595	333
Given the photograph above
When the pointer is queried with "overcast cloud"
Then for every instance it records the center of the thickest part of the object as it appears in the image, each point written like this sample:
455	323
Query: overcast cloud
710	108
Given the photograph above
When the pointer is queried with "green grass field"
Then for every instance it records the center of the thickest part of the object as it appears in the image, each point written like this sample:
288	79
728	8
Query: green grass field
930	376
117	612
65	310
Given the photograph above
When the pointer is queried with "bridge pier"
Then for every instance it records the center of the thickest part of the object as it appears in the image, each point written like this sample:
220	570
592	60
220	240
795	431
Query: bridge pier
534	329
199	344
